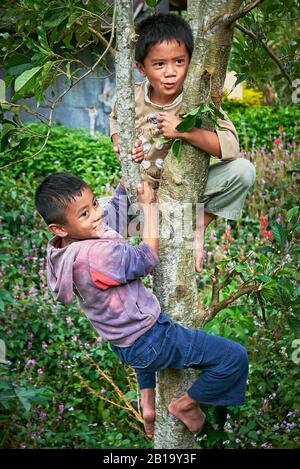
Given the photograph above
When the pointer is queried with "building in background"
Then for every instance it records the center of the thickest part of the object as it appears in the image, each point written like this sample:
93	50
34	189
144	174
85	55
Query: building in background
89	103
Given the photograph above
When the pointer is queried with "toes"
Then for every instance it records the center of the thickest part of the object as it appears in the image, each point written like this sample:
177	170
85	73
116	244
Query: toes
149	428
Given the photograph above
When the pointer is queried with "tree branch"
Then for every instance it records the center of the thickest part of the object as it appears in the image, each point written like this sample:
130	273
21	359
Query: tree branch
215	294
59	98
261	302
228	19
216	305
239	14
243	290
267	49
101	38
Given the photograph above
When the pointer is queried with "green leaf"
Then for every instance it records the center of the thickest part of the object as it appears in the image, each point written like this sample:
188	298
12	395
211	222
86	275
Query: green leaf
68	70
204	108
7	128
187	124
67	40
24	82
151	3
17	64
176	148
194	112
263	278
35	326
53	18
47	75
73	17
198	122
5	385
42	36
217	112
213	120
6	296
292	212
239	79
294	324
279	233
162	140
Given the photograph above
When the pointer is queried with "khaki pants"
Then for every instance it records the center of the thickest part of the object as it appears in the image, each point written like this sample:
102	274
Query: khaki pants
227	186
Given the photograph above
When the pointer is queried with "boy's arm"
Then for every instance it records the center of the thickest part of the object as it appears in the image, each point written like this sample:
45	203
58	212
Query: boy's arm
146	198
223	144
117	262
137	152
116	211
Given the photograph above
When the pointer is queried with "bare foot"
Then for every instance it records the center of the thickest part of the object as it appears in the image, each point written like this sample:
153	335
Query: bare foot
188	412
198	250
203	220
148	410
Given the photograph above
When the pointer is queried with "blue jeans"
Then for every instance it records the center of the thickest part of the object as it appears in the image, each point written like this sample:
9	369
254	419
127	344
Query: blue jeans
223	363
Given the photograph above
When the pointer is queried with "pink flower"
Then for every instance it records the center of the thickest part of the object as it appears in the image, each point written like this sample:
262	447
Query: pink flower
31	362
277	141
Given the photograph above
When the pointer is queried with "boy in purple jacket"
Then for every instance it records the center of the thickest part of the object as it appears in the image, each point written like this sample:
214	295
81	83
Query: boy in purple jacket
89	258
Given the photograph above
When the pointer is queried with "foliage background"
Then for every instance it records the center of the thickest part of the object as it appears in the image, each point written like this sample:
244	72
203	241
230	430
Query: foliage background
61	386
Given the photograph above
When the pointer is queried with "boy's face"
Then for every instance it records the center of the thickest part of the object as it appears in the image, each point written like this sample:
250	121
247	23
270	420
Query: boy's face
165	66
84	219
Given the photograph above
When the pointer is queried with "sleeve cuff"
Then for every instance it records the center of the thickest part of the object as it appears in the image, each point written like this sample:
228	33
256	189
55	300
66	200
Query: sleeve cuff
229	144
149	254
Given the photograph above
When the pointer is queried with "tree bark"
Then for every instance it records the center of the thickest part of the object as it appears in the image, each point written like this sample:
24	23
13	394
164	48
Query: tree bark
183	181
125	43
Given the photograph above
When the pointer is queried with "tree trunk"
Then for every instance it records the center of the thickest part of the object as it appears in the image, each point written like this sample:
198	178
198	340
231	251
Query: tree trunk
125	93
183	182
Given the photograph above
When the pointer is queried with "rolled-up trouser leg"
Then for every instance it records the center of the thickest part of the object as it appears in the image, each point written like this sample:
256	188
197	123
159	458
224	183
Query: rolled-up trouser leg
145	379
222	381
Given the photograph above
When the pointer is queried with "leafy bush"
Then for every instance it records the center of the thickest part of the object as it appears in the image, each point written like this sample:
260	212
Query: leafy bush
70	150
266	126
60	399
76	393
267	324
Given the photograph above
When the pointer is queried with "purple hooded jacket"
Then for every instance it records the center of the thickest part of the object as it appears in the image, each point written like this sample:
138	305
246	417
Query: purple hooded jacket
104	273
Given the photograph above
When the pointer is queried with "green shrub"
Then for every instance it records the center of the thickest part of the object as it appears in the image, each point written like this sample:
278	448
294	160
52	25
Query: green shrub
70	150
266	126
52	350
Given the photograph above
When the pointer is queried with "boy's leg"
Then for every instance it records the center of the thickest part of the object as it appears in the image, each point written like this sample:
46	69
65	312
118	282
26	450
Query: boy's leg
148	410
187	410
227	186
223	378
147	382
199	235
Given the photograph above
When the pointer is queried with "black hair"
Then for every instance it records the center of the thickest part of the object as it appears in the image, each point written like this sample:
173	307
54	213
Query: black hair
162	27
55	193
